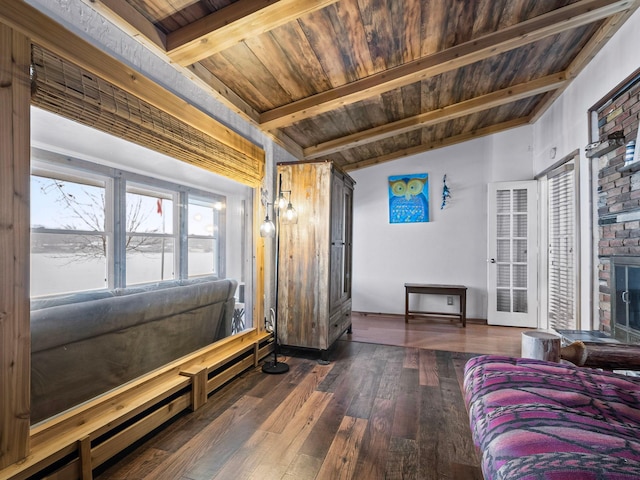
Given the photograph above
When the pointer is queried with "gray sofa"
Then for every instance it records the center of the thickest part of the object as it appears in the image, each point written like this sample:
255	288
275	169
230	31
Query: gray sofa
91	343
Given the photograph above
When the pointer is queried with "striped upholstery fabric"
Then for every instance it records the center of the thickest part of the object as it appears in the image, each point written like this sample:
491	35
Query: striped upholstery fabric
535	420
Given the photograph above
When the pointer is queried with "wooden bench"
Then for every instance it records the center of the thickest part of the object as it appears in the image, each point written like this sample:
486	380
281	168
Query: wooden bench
434	289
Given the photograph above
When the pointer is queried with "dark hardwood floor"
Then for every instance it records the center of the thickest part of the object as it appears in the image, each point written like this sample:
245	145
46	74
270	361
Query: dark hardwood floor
374	412
436	334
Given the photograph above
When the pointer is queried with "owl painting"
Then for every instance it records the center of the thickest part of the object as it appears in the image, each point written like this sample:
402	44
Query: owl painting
409	198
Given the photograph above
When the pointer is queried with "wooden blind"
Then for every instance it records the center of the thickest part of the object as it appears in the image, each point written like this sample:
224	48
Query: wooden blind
66	89
562	249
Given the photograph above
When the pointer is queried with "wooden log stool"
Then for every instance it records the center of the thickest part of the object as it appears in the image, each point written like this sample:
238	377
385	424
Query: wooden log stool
541	346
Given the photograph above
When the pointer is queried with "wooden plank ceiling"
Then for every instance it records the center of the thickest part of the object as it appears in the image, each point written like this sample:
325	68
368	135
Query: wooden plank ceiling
361	82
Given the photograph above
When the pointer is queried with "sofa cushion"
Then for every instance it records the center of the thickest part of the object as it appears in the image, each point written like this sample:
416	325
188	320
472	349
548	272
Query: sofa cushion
534	419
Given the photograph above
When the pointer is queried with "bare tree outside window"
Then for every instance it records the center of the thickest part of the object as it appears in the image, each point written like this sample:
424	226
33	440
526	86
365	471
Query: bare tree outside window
81	208
71	235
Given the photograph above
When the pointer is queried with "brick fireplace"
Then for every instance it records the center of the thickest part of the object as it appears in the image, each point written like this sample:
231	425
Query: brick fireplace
618	209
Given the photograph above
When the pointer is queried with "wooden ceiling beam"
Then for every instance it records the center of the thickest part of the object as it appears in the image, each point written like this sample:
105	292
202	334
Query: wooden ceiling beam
445	142
233	24
593	46
60	41
141	25
450	112
572	16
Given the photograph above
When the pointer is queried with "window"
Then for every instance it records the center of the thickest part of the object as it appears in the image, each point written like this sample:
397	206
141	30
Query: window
95	227
202	233
150	244
69	241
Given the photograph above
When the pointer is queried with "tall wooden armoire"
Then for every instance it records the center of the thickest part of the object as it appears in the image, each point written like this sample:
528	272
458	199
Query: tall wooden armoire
314	262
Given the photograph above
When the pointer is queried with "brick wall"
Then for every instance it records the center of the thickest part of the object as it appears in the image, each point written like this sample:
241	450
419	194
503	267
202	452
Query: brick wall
618	191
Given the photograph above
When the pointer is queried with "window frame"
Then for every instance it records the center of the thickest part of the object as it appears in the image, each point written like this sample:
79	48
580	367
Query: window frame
194	199
47	169
148	190
47	164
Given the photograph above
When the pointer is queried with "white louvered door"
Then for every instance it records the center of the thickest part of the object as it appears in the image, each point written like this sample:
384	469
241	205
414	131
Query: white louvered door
562	248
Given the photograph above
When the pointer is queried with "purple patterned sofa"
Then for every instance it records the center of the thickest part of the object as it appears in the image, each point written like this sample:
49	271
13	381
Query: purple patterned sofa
533	419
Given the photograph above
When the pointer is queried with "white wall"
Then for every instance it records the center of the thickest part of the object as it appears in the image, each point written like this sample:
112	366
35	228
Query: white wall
565	127
452	247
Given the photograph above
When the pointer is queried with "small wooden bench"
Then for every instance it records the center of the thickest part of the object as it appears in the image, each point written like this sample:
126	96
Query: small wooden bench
434	289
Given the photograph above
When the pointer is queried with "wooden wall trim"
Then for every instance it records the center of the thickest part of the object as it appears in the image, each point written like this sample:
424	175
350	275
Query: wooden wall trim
15	354
259	246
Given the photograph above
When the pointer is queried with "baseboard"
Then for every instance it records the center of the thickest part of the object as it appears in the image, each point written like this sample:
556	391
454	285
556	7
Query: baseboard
480	321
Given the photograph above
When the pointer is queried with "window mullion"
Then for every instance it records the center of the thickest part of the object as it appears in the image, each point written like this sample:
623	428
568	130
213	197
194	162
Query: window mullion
220	221
182	210
119	215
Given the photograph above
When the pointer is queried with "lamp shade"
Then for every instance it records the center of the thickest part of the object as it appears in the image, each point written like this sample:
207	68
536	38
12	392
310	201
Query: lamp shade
267	228
282	202
290	215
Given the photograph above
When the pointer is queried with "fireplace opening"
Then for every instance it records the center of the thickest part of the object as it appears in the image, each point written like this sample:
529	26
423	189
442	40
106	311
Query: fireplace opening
625	298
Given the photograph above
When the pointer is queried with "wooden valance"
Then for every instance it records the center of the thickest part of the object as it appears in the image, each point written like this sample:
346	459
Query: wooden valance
62	87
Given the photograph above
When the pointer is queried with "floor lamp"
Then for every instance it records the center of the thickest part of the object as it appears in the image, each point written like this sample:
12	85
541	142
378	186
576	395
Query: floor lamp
269	229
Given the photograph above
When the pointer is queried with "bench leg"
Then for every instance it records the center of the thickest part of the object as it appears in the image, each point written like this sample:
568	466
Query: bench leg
406	306
198	386
463	309
86	468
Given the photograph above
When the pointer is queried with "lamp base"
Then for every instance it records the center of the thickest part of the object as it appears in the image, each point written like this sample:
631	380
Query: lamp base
275	367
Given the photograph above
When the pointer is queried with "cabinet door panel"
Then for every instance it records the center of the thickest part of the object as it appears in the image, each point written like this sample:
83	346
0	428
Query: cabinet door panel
336	275
341	227
348	240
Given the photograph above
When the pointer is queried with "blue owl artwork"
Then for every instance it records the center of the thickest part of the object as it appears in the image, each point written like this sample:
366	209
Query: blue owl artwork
409	198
